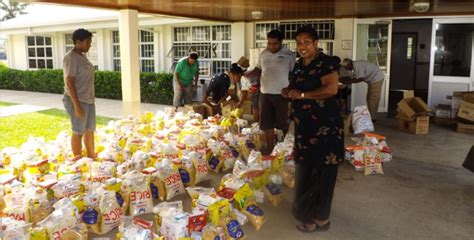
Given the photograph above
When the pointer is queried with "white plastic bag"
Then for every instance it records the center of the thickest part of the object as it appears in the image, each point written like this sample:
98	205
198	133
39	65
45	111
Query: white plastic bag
361	120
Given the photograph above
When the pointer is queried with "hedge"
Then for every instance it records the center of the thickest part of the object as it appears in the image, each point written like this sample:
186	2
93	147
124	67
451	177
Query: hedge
155	87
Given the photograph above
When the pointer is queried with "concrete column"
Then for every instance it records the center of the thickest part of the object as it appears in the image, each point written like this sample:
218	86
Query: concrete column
238	40
128	30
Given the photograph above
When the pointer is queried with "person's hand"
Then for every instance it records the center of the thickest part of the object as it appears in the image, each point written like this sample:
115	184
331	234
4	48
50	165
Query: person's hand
294	94
284	92
79	113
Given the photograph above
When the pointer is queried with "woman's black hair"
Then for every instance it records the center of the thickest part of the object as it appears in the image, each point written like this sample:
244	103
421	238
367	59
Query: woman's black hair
309	30
276	34
80	35
235	68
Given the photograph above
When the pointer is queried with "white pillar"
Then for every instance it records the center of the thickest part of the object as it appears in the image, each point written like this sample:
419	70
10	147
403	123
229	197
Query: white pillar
238	40
128	31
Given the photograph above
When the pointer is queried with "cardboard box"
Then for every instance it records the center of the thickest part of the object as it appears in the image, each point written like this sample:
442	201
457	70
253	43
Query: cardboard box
443	111
197	108
466	112
420	125
456	100
465	128
469	161
468	97
411	108
445	121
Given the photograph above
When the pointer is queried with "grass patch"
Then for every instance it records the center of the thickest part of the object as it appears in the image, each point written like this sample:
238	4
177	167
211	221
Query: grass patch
15	130
6	104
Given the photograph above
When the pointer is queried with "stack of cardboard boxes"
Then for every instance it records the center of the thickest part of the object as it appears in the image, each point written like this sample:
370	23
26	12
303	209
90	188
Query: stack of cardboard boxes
465	113
413	114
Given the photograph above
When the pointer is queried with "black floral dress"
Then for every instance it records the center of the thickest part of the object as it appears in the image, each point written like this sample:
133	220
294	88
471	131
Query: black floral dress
319	141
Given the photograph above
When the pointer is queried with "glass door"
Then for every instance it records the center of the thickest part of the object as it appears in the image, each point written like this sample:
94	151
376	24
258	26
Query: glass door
372	42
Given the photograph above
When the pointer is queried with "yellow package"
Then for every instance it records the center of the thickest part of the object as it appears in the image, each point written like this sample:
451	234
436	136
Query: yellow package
273	194
200	164
255	215
244	196
218	211
187	172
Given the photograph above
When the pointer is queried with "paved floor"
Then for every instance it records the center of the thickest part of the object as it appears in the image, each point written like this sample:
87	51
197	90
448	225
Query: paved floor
424	193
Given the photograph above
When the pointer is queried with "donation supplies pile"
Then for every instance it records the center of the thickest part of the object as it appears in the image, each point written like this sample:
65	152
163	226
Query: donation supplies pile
143	164
368	154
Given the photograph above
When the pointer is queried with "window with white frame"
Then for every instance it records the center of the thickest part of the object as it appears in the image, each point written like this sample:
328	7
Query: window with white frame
146	47
3	49
91	54
212	43
40	52
324	28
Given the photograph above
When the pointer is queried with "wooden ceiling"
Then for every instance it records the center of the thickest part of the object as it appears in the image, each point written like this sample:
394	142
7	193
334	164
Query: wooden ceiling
240	10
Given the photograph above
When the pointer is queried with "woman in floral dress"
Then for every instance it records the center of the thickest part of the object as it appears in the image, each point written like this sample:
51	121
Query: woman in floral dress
319	136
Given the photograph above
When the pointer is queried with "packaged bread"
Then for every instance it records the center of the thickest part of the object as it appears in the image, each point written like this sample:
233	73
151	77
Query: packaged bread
233	231
255	215
273	193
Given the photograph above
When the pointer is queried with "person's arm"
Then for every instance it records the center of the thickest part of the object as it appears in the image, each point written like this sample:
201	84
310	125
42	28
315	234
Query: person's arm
329	88
78	111
349	80
255	72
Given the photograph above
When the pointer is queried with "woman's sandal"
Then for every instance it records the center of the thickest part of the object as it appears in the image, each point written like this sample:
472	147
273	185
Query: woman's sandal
313	227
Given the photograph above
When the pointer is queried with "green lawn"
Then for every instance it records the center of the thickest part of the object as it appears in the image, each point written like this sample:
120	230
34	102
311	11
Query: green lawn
15	130
6	104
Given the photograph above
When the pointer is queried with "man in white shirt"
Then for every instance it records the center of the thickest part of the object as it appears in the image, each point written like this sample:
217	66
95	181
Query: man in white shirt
275	64
370	73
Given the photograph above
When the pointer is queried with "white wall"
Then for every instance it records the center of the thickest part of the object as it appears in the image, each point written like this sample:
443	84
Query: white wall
238	37
343	31
18	55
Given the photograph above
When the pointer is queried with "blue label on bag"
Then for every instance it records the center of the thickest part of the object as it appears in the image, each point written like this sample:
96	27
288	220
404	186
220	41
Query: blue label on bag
213	162
250	144
234	230
154	191
253	209
274	190
90	216
217	238
119	198
234	151
184	175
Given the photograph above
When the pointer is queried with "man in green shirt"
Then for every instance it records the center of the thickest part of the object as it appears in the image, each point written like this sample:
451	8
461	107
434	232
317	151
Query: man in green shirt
185	72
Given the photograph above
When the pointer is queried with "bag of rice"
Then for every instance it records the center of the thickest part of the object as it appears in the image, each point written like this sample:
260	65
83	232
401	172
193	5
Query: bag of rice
273	194
138	189
373	162
187	172
361	120
200	164
101	171
170	183
255	215
111	212
78	232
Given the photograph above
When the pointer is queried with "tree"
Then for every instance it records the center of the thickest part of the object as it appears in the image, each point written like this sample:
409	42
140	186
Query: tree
11	8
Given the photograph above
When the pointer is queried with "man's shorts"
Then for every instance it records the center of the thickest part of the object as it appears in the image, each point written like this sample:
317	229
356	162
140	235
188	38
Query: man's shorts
273	112
79	126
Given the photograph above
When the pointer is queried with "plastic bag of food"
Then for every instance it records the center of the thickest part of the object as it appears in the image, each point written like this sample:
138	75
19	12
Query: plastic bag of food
14	230
361	120
78	232
231	181
163	209
240	168
373	162
69	185
211	232
60	220
227	193
196	222
170	183
244	196
194	192
123	200
174	226
233	230
138	188
241	218
218	211
273	194
229	158
200	164
102	171
255	215
187	172
111	212
288	174
135	228
16	206
39	205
